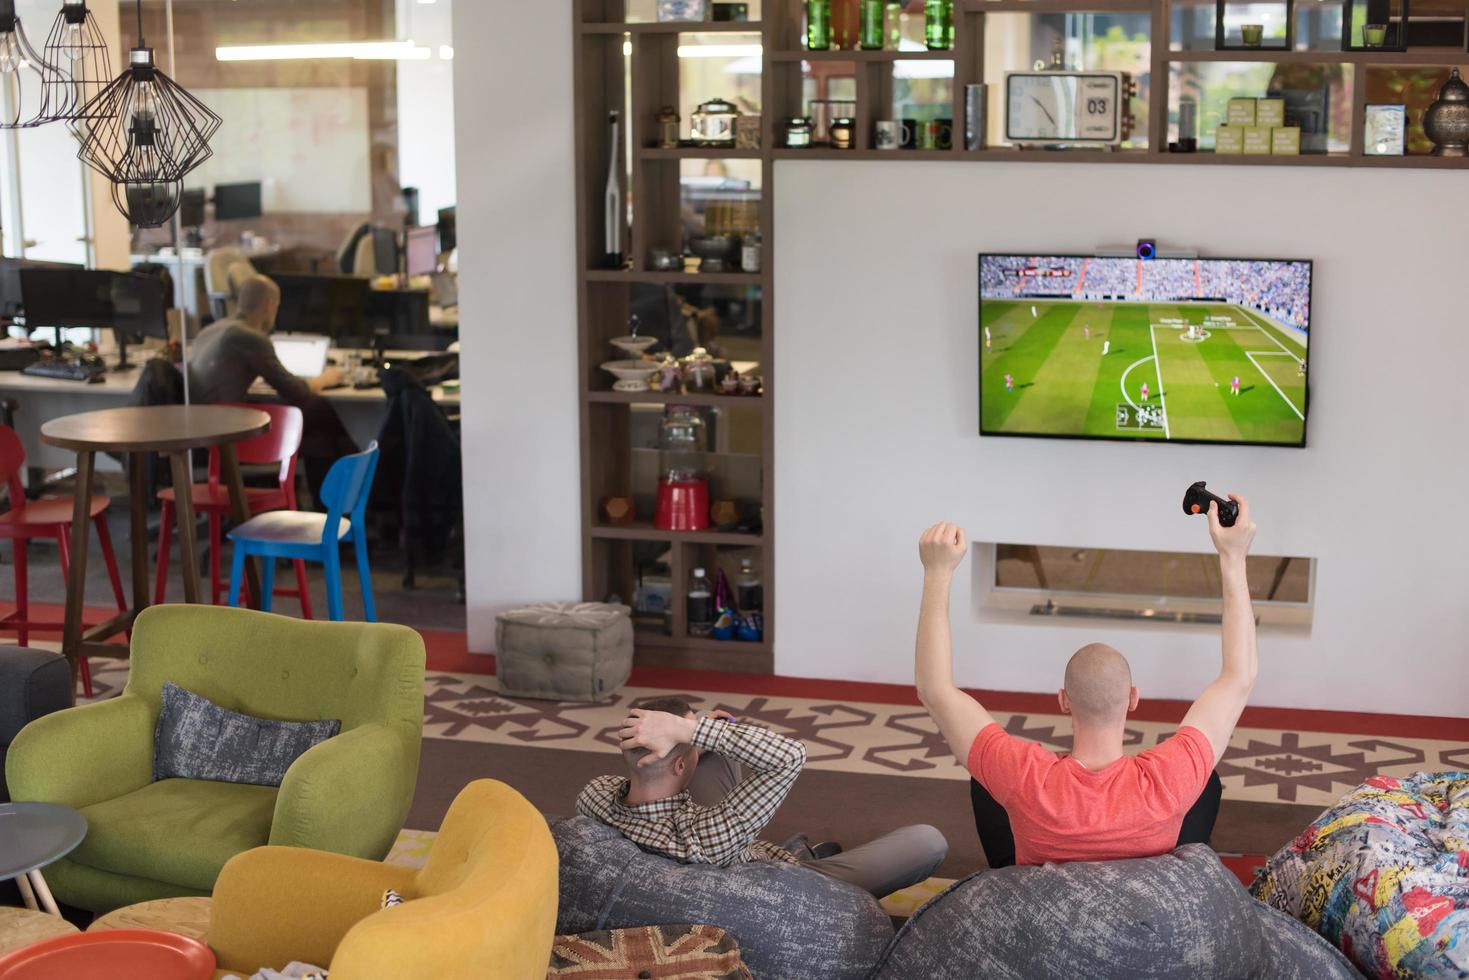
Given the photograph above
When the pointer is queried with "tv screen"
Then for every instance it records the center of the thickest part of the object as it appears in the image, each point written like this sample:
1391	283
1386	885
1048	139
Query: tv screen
1170	349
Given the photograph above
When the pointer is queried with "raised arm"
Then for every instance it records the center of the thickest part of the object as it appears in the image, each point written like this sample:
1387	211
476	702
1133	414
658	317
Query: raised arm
958	716
1217	710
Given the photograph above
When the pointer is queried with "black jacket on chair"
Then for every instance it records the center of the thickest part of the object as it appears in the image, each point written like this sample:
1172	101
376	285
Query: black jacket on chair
418	476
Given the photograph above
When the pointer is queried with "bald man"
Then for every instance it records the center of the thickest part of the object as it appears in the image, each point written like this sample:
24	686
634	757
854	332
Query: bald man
1095	803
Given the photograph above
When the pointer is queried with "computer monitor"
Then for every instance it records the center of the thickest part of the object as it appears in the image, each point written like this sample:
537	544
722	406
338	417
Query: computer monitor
12	304
303	354
332	306
448	234
232	201
384	251
399	320
421	247
130	304
191	208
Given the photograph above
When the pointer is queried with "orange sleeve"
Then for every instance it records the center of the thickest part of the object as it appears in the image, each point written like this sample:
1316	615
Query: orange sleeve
1181	764
999	761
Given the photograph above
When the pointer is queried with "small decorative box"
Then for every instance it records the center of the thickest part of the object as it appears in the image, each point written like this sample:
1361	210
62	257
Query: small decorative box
1270	112
1241	112
1257	140
1229	140
1285	140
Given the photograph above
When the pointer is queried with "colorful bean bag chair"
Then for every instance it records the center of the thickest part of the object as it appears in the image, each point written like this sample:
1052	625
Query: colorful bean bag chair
1178	916
790	923
1384	876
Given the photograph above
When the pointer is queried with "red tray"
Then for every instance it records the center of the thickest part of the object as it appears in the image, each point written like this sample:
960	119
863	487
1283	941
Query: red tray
114	954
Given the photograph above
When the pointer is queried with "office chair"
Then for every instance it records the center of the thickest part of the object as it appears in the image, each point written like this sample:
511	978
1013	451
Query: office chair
224	270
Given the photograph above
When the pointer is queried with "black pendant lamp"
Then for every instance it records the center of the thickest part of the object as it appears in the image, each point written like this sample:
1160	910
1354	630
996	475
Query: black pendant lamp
76	49
24	75
144	132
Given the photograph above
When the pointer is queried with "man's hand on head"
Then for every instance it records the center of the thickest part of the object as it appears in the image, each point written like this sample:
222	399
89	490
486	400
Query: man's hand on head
657	731
941	549
1232	542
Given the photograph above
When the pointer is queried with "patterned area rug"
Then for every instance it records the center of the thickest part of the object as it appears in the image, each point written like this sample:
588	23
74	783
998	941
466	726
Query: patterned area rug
1262	765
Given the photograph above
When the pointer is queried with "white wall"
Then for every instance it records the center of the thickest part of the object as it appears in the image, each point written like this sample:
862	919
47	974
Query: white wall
517	275
876	431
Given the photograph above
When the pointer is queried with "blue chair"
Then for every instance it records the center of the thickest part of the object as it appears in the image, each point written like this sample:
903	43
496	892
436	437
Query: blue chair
309	536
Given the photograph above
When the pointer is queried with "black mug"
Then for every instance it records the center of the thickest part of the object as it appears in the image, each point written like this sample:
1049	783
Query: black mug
946	134
909	139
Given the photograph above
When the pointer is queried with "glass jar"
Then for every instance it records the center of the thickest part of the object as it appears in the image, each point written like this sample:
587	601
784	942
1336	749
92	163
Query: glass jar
842	132
698	370
683	445
798	132
713	123
818	25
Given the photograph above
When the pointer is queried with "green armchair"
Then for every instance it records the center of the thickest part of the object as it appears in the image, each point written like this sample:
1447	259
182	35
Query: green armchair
147	840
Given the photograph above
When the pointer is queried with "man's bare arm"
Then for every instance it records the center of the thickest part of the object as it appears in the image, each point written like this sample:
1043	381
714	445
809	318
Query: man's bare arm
1217	710
958	716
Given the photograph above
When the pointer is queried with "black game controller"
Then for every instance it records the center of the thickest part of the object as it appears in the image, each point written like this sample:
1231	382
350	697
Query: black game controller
1196	501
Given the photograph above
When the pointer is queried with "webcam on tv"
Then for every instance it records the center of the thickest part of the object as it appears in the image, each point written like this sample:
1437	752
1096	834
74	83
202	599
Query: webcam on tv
1147	249
1198	498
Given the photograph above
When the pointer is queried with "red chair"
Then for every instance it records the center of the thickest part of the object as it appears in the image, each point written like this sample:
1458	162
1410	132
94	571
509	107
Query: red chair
49	517
278	444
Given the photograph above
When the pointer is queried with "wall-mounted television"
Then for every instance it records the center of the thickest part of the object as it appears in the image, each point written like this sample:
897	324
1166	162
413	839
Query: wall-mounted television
1197	350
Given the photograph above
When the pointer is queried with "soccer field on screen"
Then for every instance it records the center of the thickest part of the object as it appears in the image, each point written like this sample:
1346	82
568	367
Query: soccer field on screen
1063	384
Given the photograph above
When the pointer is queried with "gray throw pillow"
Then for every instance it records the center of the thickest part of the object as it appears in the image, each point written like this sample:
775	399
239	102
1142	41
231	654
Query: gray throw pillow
197	739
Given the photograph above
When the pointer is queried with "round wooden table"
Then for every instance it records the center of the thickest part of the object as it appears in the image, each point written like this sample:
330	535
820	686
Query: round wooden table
173	431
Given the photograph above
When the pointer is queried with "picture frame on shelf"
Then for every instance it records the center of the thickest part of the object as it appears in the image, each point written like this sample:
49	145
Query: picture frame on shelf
1374	25
1384	130
1230	31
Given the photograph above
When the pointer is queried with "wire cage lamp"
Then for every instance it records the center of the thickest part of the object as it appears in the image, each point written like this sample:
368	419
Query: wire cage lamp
25	77
145	132
77	49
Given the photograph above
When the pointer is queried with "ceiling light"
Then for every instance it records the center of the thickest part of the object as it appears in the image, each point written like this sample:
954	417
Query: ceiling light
357	50
23	75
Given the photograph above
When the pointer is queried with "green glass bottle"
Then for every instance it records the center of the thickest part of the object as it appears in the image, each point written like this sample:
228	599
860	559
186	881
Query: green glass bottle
869	36
818	25
938	24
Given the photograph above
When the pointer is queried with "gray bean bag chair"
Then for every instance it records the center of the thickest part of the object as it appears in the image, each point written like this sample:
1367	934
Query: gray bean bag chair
791	923
1180	916
33	682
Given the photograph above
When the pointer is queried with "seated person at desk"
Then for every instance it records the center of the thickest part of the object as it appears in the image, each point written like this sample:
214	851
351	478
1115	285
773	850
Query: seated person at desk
229	354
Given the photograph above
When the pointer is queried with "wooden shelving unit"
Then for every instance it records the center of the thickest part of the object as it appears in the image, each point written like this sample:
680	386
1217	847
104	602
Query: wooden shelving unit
603	74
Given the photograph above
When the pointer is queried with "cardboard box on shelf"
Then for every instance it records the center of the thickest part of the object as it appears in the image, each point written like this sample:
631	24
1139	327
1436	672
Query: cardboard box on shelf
1285	140
1241	112
1257	141
1270	112
1229	140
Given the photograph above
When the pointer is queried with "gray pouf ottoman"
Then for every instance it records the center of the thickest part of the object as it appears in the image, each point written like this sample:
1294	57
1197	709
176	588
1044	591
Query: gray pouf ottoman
564	651
33	683
1179	916
791	923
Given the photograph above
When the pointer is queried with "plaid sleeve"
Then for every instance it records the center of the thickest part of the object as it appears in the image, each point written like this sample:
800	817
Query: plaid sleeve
596	798
774	761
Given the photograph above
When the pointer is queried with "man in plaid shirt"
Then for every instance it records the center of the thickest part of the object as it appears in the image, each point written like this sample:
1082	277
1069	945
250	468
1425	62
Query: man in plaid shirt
687	796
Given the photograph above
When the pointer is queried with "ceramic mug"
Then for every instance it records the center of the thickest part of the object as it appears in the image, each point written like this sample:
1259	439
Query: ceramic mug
887	134
909	140
945	135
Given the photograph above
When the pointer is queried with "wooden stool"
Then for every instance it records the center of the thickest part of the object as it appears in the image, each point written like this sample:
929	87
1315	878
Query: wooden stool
181	916
22	927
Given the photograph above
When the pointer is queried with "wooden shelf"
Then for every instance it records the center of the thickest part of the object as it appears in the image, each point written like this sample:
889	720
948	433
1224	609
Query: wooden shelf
696	153
676	27
673	398
861	55
640	531
650	638
1422	57
1007	154
674	278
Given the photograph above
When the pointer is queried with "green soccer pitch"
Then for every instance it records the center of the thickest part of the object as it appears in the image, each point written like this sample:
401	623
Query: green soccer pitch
1064	385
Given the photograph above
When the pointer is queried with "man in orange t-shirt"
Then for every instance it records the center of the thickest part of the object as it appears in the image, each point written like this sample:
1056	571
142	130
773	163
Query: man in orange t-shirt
1095	803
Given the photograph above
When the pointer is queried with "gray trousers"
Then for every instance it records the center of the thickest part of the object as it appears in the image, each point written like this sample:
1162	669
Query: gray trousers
890	863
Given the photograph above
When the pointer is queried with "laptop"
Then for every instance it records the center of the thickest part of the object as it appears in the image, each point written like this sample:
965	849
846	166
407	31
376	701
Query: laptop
303	354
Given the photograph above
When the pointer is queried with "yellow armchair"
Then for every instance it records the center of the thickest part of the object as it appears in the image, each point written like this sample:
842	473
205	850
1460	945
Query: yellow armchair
484	905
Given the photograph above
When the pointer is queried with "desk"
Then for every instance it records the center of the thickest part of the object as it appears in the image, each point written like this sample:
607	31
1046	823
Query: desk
362	411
